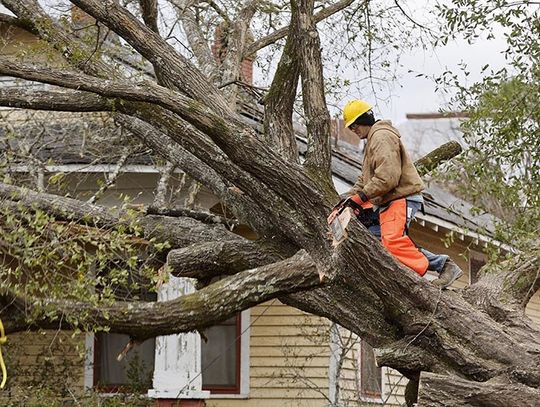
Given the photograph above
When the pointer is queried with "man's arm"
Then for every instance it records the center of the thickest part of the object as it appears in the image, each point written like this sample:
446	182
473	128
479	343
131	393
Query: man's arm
357	187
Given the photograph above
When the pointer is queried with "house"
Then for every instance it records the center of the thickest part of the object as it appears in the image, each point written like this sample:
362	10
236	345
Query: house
269	355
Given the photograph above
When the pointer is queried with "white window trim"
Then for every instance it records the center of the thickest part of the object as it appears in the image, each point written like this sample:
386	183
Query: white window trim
333	374
89	361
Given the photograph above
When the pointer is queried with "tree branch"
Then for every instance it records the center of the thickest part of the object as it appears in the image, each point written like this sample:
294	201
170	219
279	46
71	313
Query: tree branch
163	185
318	155
182	158
40	23
450	391
196	39
178	231
149	10
282	32
56	100
111	176
196	311
218	10
279	103
406	358
204	217
162	55
506	287
438	156
212	259
150	14
61	207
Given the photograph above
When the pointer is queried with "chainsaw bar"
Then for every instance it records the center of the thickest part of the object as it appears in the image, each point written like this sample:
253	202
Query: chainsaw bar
338	226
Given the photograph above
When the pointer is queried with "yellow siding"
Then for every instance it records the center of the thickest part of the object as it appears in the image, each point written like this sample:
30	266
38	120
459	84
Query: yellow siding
49	361
393	384
289	357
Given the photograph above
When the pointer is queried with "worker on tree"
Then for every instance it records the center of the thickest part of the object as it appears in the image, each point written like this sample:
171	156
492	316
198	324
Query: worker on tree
391	187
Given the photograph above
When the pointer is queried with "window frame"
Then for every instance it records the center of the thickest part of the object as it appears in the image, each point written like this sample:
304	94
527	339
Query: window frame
238	346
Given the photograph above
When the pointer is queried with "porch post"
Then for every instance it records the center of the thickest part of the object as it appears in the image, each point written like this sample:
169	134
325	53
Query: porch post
177	368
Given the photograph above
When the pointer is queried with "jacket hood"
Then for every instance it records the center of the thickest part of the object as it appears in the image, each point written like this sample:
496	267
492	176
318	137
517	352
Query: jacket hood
383	125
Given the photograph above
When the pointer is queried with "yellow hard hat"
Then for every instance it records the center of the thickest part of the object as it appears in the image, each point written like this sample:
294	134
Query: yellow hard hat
353	110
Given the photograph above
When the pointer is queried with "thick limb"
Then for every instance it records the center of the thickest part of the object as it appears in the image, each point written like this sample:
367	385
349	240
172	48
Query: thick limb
212	259
279	102
190	312
318	155
449	391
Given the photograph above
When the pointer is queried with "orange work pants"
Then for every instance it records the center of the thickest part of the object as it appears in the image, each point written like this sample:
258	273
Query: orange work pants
394	237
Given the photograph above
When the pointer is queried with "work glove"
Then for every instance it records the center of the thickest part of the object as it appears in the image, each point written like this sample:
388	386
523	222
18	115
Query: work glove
357	202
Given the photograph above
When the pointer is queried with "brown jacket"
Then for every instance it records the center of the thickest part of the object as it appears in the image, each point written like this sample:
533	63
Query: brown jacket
388	172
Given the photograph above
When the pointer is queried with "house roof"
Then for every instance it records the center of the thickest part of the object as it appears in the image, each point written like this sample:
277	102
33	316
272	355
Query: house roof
441	208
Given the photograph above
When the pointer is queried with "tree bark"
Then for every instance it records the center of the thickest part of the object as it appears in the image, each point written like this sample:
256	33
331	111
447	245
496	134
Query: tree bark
318	154
279	102
213	259
144	320
449	391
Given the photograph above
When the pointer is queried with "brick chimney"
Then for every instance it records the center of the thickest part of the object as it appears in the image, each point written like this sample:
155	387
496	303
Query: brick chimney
218	50
246	71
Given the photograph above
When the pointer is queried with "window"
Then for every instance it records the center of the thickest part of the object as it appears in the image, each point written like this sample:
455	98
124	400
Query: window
133	374
221	357
475	264
220	354
370	374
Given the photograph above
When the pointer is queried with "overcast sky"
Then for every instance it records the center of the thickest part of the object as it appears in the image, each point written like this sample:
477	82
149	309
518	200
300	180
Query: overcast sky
412	94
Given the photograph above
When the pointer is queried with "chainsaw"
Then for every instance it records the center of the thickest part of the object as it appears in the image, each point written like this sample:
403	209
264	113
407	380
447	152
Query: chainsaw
339	219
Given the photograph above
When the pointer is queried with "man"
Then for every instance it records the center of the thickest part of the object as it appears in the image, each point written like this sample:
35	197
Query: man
391	186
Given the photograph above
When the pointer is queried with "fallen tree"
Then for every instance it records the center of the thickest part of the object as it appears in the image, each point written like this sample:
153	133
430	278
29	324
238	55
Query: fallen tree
479	335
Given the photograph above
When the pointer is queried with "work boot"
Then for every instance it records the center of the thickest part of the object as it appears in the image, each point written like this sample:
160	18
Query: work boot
450	273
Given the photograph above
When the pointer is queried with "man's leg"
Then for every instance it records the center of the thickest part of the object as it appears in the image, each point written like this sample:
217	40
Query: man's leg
436	261
394	224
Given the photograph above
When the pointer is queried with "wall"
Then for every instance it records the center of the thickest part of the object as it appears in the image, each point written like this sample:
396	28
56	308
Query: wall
48	363
289	357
